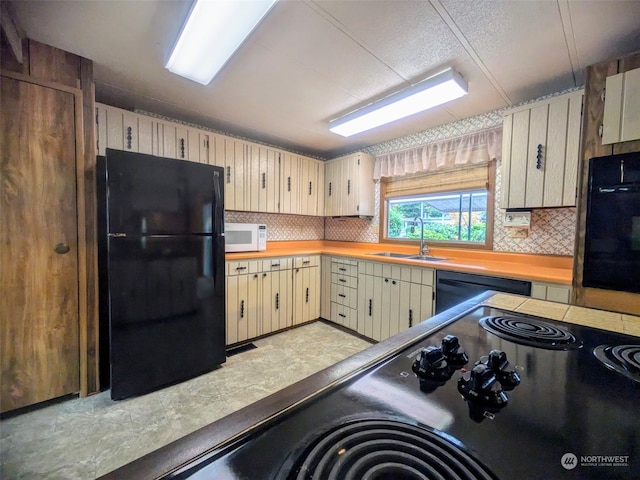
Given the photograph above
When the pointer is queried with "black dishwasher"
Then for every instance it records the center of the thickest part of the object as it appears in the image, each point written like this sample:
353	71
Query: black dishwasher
453	288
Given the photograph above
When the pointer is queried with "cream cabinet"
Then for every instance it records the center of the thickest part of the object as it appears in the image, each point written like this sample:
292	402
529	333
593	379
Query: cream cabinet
263	178
392	298
243	300
300	185
540	150
349	187
325	291
344	292
276	294
551	291
123	130
306	289
621	122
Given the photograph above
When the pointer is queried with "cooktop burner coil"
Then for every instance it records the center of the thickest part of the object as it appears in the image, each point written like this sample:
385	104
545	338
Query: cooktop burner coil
386	449
531	332
624	359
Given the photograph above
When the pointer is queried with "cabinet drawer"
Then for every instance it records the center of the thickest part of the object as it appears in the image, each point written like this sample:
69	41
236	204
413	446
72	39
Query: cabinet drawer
344	269
273	264
337	279
242	267
309	261
344	296
344	315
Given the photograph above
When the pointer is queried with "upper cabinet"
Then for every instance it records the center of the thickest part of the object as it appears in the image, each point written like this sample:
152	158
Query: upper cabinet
124	130
301	185
349	187
540	149
621	121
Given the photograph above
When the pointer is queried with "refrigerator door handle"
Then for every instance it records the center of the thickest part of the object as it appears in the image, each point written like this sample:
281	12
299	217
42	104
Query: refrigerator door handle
218	216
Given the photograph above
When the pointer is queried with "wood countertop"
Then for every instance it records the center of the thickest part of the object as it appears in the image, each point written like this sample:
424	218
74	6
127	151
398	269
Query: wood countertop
545	268
227	429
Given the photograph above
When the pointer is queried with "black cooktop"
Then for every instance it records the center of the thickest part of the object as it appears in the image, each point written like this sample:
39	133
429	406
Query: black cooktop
469	401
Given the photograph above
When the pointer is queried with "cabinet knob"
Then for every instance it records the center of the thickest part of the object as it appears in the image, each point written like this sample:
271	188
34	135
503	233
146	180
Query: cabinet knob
61	248
539	157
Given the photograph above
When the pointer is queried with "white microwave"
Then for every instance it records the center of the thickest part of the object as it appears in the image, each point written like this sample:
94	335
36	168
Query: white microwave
245	237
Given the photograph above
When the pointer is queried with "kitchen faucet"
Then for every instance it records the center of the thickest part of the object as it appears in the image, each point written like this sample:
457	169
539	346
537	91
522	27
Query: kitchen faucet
423	248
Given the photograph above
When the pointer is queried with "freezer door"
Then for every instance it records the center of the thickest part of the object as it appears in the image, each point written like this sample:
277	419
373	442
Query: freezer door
166	310
151	195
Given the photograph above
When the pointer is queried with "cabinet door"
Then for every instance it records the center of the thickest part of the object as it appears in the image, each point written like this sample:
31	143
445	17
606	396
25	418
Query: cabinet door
234	155
277	299
236	305
301	292
377	309
365	299
332	172
289	202
350	183
146	134
203	147
253	307
421	303
314	293
325	291
115	129
182	142
621	121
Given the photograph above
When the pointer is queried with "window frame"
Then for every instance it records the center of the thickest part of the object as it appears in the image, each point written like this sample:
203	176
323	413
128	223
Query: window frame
489	185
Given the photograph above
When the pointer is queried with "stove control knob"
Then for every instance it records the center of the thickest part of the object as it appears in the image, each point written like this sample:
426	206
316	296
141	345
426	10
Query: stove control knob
453	352
431	365
481	386
498	363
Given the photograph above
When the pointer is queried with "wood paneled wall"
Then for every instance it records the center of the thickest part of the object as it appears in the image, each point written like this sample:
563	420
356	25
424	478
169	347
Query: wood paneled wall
592	147
50	66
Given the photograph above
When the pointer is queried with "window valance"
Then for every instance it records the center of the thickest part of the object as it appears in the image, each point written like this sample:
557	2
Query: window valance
475	148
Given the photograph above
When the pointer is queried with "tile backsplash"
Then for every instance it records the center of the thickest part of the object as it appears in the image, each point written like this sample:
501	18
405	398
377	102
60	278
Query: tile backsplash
280	226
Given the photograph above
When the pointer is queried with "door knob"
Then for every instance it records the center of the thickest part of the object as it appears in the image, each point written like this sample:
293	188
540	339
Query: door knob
61	248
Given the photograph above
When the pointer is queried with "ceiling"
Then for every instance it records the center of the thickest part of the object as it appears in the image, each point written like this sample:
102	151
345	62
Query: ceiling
311	61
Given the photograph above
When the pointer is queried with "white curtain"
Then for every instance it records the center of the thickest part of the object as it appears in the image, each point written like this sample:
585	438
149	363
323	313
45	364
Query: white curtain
472	149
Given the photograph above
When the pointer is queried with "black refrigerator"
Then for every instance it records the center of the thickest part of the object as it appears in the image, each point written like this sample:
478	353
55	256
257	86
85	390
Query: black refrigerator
161	271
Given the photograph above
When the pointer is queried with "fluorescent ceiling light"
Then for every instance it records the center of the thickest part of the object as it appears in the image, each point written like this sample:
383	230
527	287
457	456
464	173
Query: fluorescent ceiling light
212	33
436	90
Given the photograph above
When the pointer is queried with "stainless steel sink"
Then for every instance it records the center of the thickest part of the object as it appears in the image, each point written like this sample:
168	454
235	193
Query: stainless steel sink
426	258
409	256
393	254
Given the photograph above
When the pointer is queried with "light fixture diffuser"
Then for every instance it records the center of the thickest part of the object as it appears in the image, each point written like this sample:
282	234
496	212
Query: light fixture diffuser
212	33
435	90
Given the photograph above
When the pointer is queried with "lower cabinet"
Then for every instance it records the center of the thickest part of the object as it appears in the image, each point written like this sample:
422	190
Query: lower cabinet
267	295
392	298
344	292
306	289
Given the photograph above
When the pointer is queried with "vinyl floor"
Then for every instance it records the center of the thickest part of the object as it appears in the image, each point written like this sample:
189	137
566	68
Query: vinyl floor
84	438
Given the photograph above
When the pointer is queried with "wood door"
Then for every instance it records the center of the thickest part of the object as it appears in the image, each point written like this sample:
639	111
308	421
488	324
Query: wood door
39	323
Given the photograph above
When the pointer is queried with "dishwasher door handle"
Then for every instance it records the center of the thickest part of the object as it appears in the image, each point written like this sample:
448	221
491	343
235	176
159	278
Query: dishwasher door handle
455	283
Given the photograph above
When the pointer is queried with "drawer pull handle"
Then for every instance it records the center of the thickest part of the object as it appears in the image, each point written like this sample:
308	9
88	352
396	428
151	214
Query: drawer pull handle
307	296
342	295
342	280
241	268
277	301
410	318
305	262
129	137
182	148
539	157
229	174
242	309
342	315
264	180
370	306
273	265
342	269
